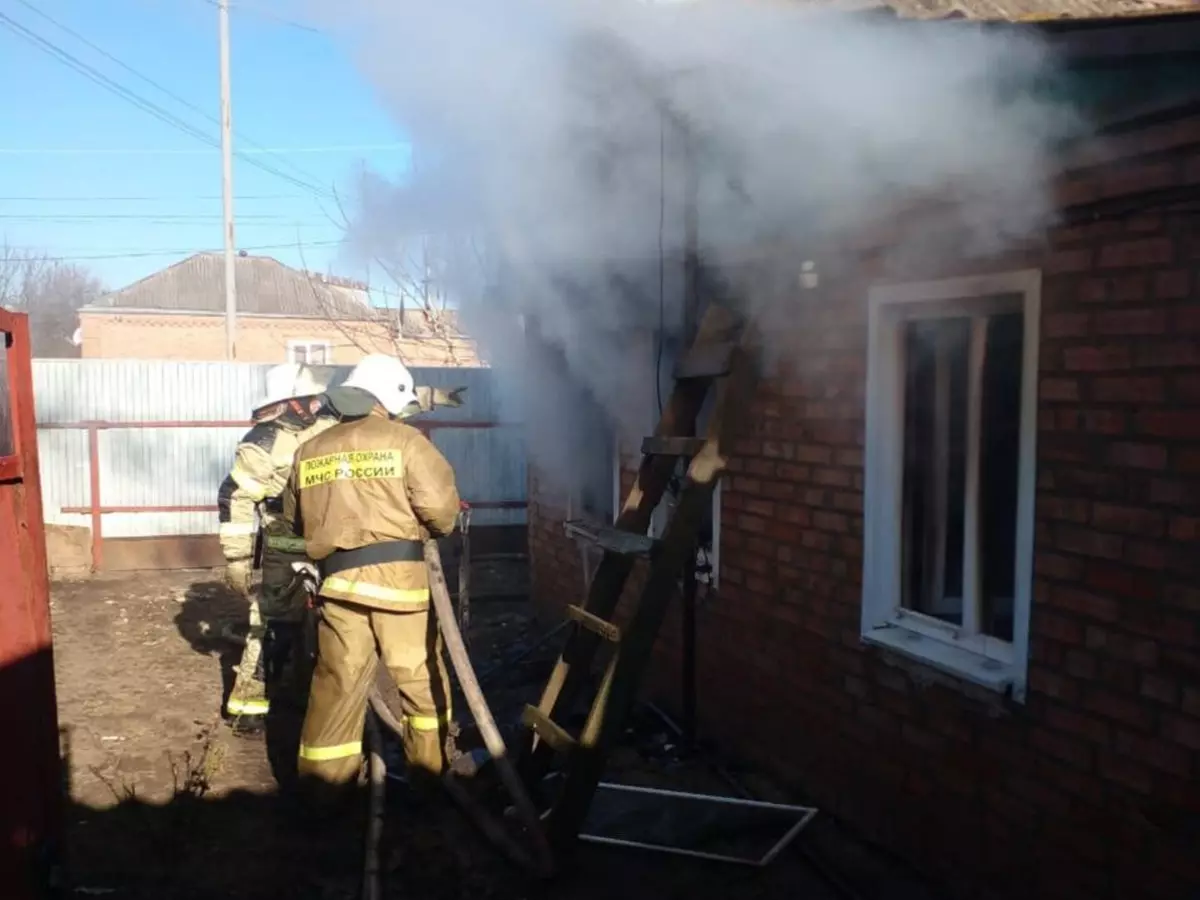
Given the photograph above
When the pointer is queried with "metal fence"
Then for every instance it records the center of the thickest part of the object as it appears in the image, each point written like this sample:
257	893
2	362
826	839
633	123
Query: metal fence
138	449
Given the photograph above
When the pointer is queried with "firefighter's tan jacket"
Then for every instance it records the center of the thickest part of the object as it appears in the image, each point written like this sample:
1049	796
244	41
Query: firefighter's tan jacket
364	482
262	463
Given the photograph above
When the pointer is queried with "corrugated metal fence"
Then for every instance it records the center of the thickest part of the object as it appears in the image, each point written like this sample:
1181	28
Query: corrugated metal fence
139	448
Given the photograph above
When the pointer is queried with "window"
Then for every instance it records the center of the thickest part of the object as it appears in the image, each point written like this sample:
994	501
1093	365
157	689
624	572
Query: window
951	430
602	457
312	353
708	546
596	495
592	438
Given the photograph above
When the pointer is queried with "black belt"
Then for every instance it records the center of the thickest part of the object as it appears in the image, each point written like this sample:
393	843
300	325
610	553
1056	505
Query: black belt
372	555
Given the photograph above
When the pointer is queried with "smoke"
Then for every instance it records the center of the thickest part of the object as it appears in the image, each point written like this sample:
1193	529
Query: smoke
551	158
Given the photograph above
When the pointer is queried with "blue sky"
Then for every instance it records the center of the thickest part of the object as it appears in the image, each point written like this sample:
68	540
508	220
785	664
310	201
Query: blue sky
87	176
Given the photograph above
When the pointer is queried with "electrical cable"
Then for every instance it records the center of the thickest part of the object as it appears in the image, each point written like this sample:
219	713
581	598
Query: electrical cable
92	74
263	14
143	198
181	251
182	218
674	483
662	262
150	81
192	151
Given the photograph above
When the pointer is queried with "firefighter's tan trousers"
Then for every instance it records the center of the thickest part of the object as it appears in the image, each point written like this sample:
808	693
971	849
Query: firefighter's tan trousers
277	601
348	640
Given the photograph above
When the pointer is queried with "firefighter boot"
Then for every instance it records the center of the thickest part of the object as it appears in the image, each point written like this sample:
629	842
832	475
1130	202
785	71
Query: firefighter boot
247	706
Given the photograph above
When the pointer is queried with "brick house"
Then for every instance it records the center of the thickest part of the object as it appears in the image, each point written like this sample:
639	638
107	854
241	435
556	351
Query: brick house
1019	713
283	315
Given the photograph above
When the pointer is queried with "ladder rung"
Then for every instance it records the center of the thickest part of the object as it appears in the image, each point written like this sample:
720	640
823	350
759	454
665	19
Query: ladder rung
706	361
547	729
614	539
672	446
593	623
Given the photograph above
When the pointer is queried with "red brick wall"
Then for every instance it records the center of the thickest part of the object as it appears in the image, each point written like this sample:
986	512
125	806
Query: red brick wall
555	570
1091	789
260	339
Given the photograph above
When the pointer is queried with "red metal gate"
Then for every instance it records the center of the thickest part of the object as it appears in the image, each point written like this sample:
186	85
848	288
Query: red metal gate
30	780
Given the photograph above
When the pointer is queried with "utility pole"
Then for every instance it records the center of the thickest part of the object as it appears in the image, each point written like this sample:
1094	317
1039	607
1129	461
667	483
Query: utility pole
691	322
227	184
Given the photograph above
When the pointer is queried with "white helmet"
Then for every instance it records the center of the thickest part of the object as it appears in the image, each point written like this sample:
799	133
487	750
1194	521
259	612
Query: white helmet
289	381
386	379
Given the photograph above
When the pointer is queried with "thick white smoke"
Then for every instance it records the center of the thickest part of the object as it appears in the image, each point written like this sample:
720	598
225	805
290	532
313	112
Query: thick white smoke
548	131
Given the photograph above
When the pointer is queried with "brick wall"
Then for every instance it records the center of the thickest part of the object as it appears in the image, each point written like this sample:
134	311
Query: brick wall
259	339
1092	787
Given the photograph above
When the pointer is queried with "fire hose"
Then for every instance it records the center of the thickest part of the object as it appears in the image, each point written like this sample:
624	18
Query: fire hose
452	628
541	860
464	574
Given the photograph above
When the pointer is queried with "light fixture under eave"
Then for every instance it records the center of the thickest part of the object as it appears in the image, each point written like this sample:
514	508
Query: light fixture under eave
809	278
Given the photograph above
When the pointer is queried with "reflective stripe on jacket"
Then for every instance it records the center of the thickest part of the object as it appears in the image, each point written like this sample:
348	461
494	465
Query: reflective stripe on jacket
365	481
261	466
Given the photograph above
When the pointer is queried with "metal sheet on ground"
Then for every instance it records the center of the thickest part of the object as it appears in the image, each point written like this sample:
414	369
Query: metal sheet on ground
728	829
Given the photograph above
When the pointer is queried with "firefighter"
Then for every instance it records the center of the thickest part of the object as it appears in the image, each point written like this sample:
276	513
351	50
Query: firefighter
291	412
364	495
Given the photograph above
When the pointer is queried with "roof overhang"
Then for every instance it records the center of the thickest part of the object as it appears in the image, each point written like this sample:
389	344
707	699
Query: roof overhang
215	314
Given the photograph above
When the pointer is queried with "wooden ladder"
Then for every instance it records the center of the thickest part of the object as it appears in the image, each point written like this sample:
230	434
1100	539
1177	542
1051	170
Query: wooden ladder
721	358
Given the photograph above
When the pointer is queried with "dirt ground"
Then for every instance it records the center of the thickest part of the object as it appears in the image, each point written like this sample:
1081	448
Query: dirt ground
167	803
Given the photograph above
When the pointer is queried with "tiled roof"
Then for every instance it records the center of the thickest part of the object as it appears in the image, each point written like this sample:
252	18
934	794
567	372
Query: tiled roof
264	286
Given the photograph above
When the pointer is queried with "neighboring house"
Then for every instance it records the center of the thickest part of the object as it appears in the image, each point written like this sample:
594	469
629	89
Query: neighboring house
284	314
958	590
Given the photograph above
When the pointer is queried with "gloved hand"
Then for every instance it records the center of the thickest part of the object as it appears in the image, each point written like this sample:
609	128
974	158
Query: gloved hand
238	575
452	398
429	398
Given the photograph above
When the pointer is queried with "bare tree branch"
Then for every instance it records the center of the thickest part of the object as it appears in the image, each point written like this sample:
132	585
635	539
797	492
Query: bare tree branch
414	284
51	292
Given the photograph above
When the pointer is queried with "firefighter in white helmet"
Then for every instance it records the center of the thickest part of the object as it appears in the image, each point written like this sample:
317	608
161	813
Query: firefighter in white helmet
365	495
291	412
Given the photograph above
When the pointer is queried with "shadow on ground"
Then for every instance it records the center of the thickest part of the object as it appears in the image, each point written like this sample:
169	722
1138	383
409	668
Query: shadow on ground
166	803
207	607
207	611
246	846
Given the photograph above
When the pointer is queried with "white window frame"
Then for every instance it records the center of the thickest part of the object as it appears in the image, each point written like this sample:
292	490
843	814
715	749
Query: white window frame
956	650
293	344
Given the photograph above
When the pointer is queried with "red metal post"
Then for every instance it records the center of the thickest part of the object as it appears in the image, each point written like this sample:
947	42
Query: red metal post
30	771
97	510
94	506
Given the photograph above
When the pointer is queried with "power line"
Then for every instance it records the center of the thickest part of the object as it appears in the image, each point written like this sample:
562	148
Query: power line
144	198
148	80
147	106
175	223
184	251
190	151
273	17
162	217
